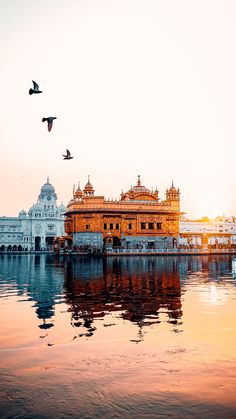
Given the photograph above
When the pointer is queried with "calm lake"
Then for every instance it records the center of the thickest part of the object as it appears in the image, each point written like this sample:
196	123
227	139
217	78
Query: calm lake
118	337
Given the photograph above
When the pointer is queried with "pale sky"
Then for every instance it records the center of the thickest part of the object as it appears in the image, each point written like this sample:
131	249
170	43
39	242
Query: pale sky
138	87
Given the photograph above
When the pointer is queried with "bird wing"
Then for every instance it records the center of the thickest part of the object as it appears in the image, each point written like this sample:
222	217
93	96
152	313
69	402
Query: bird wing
49	125
36	86
68	153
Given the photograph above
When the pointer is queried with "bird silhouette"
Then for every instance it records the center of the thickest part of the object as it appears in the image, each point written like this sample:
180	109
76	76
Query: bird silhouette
49	120
67	156
35	89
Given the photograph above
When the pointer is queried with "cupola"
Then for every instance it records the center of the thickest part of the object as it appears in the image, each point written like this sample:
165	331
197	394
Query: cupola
78	193
88	189
172	193
138	192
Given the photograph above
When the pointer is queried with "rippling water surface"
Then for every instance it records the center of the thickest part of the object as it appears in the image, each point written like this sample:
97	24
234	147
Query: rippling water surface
121	337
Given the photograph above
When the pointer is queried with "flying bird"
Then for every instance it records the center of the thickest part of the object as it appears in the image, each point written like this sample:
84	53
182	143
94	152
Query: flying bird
49	121
35	89
67	156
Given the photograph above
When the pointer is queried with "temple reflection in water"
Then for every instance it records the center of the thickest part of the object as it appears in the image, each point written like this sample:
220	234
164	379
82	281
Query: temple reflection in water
135	289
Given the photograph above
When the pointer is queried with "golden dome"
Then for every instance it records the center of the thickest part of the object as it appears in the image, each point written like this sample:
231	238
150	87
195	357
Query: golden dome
88	189
78	192
139	192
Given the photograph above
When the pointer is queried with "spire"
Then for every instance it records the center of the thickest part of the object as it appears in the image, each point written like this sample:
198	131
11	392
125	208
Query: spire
172	185
73	189
139	181
47	179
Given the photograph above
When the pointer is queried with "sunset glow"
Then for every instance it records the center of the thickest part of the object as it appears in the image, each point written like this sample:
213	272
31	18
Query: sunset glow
136	87
118	209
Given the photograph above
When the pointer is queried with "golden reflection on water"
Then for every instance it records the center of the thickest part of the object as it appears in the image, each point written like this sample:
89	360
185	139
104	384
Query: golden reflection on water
122	331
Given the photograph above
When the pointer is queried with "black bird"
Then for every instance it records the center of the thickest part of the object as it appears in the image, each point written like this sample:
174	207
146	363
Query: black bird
35	89
49	120
67	156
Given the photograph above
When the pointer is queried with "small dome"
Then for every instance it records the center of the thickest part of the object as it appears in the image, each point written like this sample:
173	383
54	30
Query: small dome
36	207
88	189
88	186
172	188
78	191
22	214
139	193
61	208
139	188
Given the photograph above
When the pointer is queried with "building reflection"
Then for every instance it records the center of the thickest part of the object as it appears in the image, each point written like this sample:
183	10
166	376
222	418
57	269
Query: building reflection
36	278
142	290
138	289
211	267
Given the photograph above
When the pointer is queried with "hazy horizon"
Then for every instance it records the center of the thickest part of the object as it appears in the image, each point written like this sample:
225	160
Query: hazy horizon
138	87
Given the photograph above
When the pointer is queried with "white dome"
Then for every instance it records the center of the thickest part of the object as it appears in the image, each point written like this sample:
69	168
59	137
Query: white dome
61	208
36	208
47	188
48	191
22	213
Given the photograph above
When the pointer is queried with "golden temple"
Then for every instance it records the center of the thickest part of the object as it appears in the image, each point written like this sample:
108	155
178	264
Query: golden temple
139	219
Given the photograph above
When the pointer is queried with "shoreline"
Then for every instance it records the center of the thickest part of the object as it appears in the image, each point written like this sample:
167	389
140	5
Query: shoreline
130	252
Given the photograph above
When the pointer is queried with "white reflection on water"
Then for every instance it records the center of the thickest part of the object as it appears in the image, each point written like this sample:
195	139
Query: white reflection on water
218	295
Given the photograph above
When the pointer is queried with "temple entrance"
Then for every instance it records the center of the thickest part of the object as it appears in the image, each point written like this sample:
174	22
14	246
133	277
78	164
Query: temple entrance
111	241
151	245
116	242
37	242
49	240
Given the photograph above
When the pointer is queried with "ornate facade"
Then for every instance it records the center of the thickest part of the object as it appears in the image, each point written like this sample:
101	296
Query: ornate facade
37	229
138	220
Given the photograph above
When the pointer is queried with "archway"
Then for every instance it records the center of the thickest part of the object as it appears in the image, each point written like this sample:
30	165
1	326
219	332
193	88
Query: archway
14	248
9	248
49	241
2	248
19	248
37	242
116	242
112	241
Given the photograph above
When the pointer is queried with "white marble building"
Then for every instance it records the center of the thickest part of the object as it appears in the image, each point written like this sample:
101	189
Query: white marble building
221	230
37	229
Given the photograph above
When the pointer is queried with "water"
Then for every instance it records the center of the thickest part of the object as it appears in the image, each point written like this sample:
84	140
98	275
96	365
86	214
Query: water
129	337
